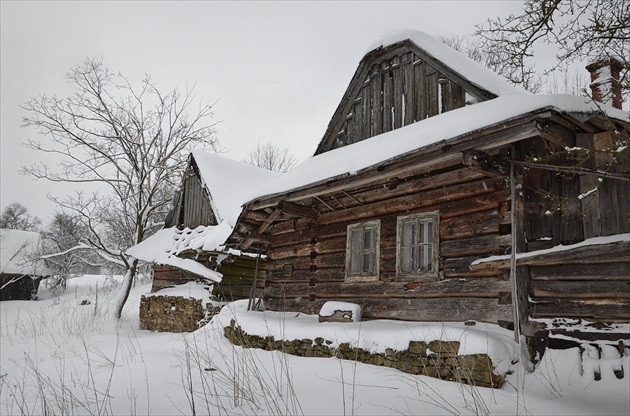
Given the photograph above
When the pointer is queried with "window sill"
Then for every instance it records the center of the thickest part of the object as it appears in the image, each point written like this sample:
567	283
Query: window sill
418	278
361	279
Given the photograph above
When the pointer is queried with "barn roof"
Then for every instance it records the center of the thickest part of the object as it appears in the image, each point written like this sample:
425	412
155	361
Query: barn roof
405	77
229	184
17	249
349	160
469	69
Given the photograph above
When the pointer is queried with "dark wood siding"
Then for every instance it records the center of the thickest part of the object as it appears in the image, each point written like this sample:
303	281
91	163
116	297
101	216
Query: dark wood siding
305	230
238	274
396	91
193	208
307	265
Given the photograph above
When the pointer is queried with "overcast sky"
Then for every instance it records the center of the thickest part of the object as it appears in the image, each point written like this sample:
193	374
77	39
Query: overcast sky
276	70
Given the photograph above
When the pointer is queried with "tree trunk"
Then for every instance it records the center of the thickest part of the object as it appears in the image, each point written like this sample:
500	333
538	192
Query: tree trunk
125	289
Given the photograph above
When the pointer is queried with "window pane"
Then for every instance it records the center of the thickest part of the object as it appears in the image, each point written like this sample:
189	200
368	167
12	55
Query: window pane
368	263
422	264
423	232
368	239
368	253
406	259
430	232
355	251
408	233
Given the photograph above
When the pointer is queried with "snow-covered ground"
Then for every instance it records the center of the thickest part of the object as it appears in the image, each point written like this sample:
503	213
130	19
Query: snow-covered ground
64	355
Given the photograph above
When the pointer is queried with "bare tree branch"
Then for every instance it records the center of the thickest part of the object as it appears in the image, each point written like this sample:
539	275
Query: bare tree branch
589	30
130	142
271	156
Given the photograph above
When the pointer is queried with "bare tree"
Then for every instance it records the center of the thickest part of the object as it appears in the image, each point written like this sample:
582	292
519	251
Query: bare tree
60	240
581	30
130	143
494	58
16	217
566	80
271	156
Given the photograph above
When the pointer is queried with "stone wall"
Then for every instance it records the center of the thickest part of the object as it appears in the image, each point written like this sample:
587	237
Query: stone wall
173	313
441	362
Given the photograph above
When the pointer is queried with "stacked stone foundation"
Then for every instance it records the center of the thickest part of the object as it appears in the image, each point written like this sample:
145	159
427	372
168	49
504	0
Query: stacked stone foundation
439	359
173	313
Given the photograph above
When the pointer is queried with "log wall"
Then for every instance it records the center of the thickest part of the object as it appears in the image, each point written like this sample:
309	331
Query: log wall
307	257
594	286
238	275
23	287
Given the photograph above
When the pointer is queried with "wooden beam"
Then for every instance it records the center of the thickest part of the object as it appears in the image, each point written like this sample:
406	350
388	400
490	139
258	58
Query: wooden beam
251	239
485	163
598	253
557	134
436	156
283	227
297	210
268	221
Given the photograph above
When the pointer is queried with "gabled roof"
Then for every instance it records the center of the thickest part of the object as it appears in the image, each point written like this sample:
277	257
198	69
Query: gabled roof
17	249
405	77
468	69
442	129
229	185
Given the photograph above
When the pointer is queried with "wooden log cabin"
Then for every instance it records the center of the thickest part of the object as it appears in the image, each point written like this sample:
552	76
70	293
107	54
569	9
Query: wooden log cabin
204	211
430	166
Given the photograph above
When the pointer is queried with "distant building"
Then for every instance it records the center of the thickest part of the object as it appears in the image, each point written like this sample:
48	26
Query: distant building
20	269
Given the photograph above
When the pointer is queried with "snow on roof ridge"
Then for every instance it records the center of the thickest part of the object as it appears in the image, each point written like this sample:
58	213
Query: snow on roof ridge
348	160
471	70
229	182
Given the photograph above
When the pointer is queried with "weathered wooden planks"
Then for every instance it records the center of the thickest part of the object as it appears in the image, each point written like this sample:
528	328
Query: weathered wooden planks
391	89
440	310
609	310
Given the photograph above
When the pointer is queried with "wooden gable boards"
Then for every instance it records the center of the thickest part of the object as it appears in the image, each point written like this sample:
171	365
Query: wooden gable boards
395	86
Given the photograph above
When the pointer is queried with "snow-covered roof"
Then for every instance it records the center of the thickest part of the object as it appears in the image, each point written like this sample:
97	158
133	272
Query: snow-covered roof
348	160
164	246
17	249
473	71
230	183
617	238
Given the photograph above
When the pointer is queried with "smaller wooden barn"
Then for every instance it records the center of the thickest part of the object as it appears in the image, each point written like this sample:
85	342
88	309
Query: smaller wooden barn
20	269
204	212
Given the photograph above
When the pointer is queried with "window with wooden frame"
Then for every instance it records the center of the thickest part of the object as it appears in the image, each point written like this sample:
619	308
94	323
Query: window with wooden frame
417	246
363	251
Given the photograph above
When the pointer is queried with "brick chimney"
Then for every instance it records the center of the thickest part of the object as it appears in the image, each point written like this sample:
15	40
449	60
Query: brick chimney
605	86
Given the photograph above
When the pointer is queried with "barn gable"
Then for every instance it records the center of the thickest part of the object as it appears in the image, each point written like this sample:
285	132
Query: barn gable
204	212
405	78
213	189
192	204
